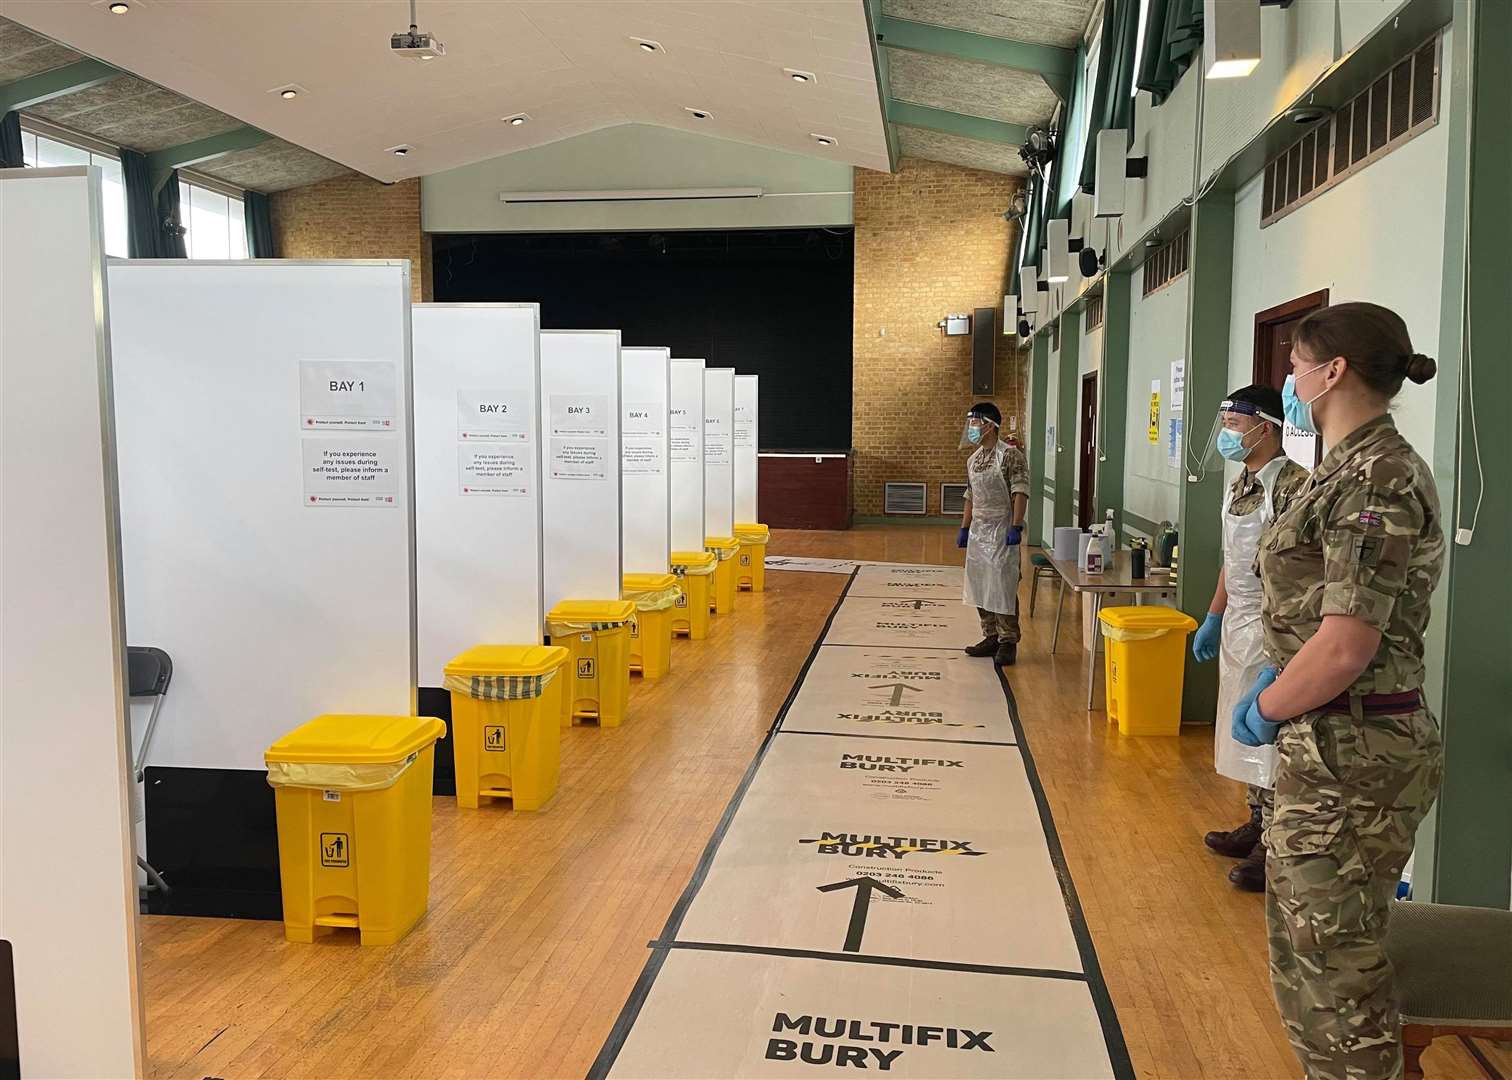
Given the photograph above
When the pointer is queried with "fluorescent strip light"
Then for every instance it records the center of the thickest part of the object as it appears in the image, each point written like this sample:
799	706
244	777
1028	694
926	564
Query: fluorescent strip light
630	195
1231	69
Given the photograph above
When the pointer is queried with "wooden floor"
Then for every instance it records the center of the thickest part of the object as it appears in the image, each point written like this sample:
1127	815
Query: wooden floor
538	922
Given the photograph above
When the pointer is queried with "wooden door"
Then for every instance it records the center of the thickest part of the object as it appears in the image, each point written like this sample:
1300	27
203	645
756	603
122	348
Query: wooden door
1086	505
1274	331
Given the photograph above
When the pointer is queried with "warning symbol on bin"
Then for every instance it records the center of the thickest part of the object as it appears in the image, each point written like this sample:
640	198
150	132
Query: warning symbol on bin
682	600
335	849
745	560
585	667
493	737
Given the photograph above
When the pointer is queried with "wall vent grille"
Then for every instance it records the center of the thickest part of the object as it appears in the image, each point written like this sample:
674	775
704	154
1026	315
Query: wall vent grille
903	497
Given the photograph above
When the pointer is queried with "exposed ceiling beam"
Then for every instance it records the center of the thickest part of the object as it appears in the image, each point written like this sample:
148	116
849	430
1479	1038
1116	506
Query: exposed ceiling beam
1052	63
46	85
952	123
879	66
160	163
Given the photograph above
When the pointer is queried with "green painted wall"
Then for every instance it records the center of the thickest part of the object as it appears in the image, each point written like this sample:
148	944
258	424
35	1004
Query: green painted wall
1112	410
1067	387
1034	439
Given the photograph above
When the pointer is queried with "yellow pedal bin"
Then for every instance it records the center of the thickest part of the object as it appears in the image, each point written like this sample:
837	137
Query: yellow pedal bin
750	570
695	572
725	549
1144	665
596	634
655	597
353	795
506	723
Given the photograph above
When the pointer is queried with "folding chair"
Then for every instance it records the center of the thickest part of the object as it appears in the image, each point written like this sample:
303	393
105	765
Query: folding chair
148	673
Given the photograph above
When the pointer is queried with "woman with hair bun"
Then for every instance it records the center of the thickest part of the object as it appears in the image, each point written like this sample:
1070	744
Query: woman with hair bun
1347	572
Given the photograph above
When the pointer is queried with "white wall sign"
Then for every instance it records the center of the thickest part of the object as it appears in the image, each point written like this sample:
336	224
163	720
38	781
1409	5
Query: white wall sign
494	415
645	419
350	472
687	437
580	414
579	459
484	469
686	426
719	471
746	443
347	395
644	459
1178	385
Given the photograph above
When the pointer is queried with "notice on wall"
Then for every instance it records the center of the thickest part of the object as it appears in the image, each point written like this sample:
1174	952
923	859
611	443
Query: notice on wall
350	472
1154	432
643	457
1178	385
644	419
745	425
347	395
492	416
579	459
1173	442
684	435
717	448
493	469
580	415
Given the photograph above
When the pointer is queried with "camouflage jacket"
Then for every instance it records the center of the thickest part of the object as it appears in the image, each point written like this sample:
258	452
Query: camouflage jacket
1364	538
1009	458
1247	494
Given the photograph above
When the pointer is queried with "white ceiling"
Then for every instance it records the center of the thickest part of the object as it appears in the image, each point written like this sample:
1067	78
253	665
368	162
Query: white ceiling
569	64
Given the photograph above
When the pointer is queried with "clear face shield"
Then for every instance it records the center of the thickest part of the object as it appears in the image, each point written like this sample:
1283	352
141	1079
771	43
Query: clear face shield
978	430
1238	428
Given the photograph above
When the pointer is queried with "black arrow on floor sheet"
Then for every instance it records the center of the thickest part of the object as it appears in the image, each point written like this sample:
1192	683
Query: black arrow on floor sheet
897	691
863	887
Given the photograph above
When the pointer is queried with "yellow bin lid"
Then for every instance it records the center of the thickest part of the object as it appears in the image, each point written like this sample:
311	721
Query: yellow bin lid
648	582
753	532
693	558
592	611
507	660
721	543
1147	617
338	739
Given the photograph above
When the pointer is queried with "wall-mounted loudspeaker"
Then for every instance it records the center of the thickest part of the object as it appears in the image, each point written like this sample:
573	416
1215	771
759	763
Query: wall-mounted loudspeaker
1116	163
1010	313
1057	250
1088	262
1029	289
983	348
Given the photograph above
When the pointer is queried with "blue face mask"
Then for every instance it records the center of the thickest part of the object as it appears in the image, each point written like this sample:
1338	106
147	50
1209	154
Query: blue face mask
973	435
1299	413
1231	445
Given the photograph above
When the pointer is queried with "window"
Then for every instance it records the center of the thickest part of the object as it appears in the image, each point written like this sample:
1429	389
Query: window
214	227
1094	314
1144	14
1166	264
1398	106
42	152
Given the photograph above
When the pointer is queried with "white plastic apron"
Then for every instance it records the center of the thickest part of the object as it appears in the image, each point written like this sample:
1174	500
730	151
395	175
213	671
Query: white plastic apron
992	568
1241	654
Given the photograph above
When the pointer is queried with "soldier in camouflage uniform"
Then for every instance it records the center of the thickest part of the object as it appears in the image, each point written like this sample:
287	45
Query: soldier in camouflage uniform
1348	571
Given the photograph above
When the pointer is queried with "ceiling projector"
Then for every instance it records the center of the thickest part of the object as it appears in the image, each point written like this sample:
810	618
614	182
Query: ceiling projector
417	45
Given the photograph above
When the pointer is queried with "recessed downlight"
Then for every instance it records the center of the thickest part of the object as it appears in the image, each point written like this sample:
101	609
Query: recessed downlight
697	114
399	151
647	45
800	77
824	140
120	7
517	119
289	94
288	91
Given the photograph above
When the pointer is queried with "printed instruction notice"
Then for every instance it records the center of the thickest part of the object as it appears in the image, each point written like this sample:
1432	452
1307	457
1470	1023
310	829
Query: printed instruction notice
579	459
684	436
493	469
643	457
644	418
716	441
745	425
1154	432
580	415
492	416
347	395
1178	385
351	472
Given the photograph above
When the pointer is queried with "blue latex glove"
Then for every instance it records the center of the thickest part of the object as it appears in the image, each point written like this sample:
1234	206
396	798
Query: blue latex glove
1205	642
962	535
1015	535
1249	725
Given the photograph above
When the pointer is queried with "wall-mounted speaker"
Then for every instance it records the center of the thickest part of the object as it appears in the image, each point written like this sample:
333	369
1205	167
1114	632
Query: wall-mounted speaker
1108	194
983	350
1029	289
1057	250
1010	313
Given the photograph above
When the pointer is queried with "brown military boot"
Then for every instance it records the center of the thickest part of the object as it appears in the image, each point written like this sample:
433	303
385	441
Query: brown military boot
986	647
1249	875
1236	843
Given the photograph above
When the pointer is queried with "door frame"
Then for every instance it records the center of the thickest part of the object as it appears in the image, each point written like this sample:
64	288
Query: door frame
1302	305
1086	464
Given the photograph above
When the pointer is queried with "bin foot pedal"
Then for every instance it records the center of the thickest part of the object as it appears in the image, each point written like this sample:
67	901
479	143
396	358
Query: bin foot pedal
338	922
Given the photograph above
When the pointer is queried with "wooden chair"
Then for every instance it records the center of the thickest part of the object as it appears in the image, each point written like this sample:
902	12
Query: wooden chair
1454	974
1042	569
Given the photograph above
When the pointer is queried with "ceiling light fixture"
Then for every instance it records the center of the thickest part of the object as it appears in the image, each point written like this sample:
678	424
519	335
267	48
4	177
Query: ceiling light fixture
288	94
800	76
697	114
824	140
400	150
647	45
120	7
517	119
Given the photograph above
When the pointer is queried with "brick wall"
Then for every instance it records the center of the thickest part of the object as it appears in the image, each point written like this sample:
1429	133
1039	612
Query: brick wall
353	217
930	240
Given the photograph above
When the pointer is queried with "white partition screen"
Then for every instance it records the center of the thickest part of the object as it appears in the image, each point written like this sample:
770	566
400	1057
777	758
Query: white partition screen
67	890
747	441
267	502
477	479
645	379
687	453
719	467
580	470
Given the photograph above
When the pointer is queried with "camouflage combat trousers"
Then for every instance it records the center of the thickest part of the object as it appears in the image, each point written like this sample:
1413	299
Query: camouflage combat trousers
1261	800
995	624
1350	794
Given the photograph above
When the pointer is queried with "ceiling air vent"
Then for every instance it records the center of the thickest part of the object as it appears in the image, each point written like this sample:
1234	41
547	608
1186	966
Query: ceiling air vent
899	497
952	499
